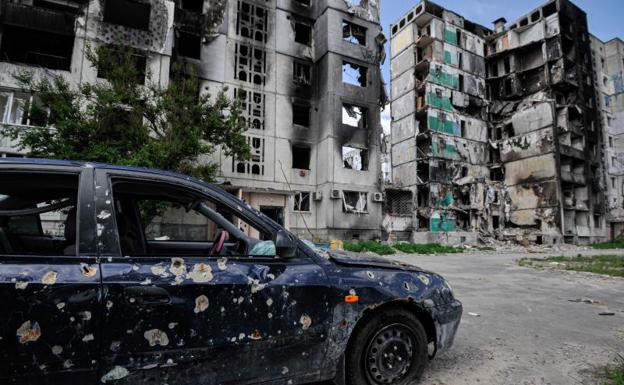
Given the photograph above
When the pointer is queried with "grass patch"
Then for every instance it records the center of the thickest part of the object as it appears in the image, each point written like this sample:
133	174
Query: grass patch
486	248
612	265
617	244
615	374
428	248
371	246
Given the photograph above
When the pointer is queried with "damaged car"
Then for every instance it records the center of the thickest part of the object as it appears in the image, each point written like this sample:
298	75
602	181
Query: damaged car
111	274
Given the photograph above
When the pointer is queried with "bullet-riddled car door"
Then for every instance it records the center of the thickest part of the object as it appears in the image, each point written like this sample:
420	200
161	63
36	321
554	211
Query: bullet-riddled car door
49	281
177	313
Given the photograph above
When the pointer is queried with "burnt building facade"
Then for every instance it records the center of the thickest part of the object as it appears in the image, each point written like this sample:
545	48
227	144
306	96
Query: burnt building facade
307	74
518	149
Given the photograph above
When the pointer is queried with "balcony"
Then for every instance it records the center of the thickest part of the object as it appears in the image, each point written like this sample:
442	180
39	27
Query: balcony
39	19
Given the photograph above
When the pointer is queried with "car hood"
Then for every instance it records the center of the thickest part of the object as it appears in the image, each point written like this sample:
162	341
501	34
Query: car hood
358	259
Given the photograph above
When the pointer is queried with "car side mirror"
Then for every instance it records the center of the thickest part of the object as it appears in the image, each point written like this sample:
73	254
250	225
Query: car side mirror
285	245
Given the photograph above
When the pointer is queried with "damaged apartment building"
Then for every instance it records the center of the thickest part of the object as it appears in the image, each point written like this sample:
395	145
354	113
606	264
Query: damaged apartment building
609	79
306	72
495	133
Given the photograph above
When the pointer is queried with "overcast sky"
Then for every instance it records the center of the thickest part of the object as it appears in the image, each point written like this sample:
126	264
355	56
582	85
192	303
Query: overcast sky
606	17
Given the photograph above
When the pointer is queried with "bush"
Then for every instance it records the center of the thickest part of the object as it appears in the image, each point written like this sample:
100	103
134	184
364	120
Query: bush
428	248
617	244
371	246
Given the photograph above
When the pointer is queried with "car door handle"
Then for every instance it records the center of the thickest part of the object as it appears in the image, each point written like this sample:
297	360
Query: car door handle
147	295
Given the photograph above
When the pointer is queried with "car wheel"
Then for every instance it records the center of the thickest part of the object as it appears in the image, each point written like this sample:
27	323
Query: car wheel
390	348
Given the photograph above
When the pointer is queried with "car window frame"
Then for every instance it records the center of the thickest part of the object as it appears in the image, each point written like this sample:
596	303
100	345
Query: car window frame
85	218
109	243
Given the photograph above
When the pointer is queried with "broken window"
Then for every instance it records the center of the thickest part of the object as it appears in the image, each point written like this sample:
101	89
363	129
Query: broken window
354	116
188	44
354	74
301	157
250	64
508	130
254	166
301	115
355	158
252	107
302	202
353	33
302	73
303	33
116	57
129	13
496	174
611	141
252	21
507	64
39	48
354	202
196	6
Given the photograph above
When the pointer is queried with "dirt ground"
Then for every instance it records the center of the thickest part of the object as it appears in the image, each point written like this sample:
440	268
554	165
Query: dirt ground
527	326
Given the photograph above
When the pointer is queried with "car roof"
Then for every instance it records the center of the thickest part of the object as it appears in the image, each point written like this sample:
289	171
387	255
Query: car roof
82	164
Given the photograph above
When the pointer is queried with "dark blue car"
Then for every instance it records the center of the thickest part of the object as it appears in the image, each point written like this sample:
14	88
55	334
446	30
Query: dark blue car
133	276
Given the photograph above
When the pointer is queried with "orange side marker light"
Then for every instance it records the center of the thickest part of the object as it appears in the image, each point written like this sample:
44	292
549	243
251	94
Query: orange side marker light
352	299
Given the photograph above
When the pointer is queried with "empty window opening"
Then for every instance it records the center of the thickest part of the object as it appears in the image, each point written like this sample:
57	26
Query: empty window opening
188	44
255	165
252	107
303	33
460	85
196	6
354	202
598	221
508	130
355	158
39	48
463	128
354	74
535	16
301	157
116	57
302	73
523	22
301	115
612	182
611	141
301	202
353	33
495	222
496	174
459	35
354	116
305	3
250	64
129	13
508	87
252	21
507	64
550	9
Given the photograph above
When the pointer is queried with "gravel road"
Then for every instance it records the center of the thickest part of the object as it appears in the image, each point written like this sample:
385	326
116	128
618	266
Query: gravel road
525	329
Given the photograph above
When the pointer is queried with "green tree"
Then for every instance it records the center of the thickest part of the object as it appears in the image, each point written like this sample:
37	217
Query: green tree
124	121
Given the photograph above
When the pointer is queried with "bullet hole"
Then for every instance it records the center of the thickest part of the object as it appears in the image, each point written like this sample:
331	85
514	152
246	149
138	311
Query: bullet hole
85	315
406	285
57	350
201	304
221	264
269	302
284	370
424	279
104	214
29	332
256	335
156	337
256	286
88	271
21	285
117	373
370	274
49	278
159	270
88	338
344	323
305	322
177	268
201	273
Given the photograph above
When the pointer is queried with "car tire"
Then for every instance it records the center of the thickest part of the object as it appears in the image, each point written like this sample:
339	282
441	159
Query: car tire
390	348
